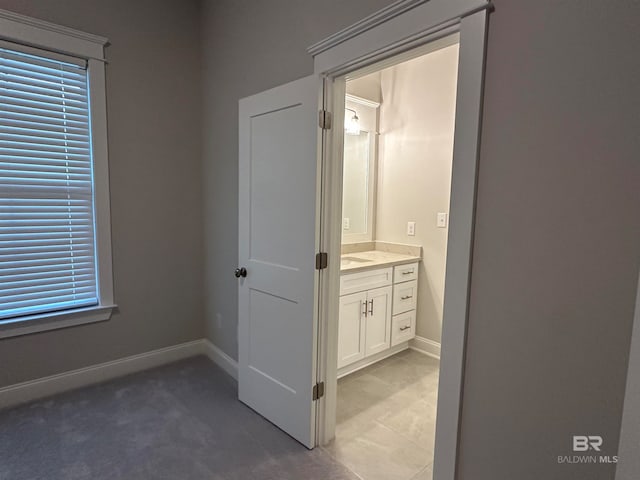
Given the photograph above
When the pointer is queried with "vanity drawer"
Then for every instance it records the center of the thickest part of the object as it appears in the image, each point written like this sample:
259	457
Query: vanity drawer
404	296
357	282
403	327
405	273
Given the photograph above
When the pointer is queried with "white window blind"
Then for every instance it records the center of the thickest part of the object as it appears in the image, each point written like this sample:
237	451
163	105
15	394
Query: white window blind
47	247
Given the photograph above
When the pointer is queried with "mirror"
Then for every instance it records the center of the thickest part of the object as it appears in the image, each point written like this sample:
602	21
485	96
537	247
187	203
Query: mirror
355	194
359	169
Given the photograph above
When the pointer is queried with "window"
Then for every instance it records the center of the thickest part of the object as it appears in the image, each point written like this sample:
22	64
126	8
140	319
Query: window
55	252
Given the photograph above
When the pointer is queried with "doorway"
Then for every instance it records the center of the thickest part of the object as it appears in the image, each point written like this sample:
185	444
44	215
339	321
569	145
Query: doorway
290	200
399	121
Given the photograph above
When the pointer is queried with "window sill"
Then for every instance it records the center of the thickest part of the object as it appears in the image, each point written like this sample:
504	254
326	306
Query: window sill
54	320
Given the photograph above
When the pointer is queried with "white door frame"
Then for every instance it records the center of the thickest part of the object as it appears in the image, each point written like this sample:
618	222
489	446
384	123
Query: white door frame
397	29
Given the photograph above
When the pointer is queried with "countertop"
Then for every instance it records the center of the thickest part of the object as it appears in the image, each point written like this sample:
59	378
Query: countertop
359	261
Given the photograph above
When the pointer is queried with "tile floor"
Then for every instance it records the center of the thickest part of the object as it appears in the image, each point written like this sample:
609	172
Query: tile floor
385	424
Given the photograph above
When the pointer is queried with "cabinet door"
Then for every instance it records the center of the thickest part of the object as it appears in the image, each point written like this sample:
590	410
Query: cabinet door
378	329
351	328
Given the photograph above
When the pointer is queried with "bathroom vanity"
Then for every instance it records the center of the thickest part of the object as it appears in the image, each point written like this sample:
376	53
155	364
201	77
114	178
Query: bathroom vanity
378	298
378	279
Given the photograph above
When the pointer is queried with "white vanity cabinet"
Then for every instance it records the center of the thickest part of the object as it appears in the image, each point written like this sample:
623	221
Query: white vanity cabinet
351	328
364	323
378	321
405	300
377	312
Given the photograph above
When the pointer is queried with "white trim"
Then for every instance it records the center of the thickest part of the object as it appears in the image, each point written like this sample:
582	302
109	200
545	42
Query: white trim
464	175
101	191
82	377
32	32
49	36
19	393
362	101
393	33
217	356
367	23
54	320
425	346
331	190
365	362
81	63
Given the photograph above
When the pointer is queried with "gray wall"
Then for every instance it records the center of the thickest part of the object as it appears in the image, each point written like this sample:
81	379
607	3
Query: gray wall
557	246
154	107
629	465
249	46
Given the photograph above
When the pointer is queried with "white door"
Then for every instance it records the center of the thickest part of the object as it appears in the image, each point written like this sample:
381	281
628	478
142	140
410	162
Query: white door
278	156
351	334
378	320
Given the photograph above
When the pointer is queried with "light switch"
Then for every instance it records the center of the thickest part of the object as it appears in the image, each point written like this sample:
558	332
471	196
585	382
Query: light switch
411	228
346	224
442	219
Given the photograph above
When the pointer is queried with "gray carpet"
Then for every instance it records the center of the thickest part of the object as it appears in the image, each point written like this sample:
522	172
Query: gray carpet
181	421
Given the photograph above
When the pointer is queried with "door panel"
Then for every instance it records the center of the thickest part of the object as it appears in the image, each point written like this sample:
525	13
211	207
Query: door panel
274	216
351	334
378	320
278	157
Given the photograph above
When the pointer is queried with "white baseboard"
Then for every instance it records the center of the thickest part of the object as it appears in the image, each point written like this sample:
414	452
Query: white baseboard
217	356
43	387
365	362
426	346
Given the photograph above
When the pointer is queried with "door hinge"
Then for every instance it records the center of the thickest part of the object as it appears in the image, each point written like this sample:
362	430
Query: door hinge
322	260
324	119
318	390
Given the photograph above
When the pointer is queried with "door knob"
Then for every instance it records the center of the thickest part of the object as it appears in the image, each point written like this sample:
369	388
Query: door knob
241	272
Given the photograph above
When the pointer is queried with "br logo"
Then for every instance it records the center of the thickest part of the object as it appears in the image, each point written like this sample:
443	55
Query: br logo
583	443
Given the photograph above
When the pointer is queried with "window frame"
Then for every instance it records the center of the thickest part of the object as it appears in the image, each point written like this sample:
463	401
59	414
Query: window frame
49	37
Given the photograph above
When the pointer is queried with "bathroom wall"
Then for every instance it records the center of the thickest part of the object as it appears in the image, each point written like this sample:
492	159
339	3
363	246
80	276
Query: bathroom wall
417	117
366	87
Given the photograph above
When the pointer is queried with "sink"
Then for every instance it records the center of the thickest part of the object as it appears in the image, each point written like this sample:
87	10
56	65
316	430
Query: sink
344	261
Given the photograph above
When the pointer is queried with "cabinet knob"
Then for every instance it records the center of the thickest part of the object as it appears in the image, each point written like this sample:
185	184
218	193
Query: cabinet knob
241	272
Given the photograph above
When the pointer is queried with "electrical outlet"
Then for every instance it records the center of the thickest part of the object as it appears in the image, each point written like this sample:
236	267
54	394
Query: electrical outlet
442	220
346	224
411	228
